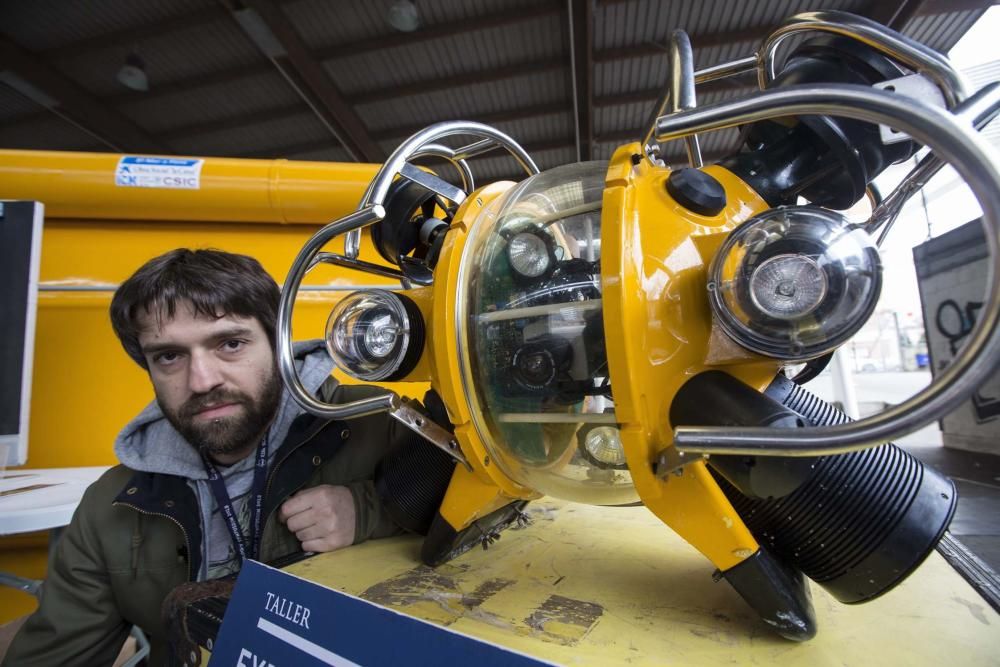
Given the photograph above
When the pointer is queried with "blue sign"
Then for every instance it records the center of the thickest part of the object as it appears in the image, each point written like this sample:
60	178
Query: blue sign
275	619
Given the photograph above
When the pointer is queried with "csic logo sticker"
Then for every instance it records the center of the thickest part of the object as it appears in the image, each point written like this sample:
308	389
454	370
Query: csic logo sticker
156	172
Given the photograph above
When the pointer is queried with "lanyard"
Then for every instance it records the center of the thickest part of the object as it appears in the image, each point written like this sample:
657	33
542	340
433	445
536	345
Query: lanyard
256	501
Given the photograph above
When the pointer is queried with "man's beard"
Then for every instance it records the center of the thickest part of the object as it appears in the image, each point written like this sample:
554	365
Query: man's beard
230	434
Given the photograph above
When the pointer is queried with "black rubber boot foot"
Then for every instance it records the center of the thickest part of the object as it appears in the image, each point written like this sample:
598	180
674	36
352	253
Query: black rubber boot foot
776	591
443	542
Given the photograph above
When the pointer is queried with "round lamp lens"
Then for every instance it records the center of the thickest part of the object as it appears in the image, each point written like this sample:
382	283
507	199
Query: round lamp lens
374	335
605	446
381	334
795	282
788	286
528	254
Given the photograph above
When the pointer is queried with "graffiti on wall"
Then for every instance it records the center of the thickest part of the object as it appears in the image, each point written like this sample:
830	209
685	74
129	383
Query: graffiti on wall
955	323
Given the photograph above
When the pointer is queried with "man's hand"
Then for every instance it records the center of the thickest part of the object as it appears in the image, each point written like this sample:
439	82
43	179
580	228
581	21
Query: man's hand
322	517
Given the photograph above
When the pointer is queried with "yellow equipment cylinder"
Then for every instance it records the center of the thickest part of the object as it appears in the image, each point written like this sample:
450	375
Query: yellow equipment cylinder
82	186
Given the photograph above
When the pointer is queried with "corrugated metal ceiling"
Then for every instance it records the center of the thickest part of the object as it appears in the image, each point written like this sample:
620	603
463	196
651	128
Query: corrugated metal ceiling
340	65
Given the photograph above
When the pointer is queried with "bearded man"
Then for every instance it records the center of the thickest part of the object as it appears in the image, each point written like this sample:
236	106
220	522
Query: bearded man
222	466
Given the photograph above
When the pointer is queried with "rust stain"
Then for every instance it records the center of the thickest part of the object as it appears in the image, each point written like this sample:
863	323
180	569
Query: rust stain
564	620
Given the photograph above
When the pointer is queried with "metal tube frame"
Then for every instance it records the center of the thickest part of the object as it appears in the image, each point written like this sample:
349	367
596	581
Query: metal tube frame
957	145
955	141
371	210
679	95
977	111
909	52
424	143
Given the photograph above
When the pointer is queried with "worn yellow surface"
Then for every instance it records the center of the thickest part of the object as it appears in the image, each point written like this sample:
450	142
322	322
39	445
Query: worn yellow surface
604	586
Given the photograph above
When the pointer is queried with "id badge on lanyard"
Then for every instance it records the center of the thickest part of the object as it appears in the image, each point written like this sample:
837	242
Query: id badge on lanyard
256	500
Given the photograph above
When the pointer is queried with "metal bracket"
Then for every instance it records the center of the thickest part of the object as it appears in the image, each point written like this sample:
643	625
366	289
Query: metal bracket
433	183
429	430
670	461
917	86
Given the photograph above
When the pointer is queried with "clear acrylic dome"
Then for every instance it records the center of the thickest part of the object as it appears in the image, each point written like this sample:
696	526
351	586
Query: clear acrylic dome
532	338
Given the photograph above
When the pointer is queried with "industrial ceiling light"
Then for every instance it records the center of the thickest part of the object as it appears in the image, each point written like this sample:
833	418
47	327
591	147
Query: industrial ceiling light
403	16
133	73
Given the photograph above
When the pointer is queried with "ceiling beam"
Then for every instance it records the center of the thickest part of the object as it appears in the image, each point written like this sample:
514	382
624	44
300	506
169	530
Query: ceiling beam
888	13
581	44
442	83
43	84
897	12
500	18
273	33
487	21
432	85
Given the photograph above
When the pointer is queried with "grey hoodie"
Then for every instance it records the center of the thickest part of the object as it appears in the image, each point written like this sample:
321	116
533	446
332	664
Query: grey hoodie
149	443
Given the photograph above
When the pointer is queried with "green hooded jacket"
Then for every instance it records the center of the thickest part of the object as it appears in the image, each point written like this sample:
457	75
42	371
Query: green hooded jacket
137	535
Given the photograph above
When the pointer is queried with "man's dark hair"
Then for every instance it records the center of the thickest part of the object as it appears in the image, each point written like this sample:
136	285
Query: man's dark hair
214	282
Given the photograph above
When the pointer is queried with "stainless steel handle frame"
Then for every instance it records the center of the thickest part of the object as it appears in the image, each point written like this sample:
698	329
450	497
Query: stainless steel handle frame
286	360
682	79
909	52
397	407
979	109
425	143
679	95
370	211
952	139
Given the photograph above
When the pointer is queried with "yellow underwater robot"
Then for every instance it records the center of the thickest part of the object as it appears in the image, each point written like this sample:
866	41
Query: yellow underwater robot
616	333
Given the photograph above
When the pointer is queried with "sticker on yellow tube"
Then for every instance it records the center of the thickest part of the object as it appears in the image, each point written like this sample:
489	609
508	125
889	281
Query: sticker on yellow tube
135	171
